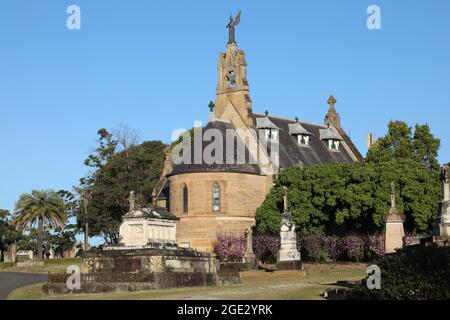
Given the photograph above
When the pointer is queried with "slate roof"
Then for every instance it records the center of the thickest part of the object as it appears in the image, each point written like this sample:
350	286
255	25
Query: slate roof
265	123
297	128
222	126
328	134
291	153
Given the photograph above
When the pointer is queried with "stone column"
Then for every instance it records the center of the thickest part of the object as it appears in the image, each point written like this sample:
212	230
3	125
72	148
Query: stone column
443	217
394	237
249	255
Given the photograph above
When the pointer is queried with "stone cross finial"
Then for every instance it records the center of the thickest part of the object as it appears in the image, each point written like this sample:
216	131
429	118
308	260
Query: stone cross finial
331	101
132	201
211	106
393	204
285	198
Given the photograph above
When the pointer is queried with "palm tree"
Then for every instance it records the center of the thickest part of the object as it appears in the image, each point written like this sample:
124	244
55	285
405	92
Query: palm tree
42	209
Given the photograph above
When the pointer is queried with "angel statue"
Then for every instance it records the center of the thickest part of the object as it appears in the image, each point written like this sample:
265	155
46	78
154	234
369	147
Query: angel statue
231	25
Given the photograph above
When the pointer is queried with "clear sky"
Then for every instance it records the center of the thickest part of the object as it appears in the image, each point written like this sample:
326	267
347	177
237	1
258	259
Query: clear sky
152	65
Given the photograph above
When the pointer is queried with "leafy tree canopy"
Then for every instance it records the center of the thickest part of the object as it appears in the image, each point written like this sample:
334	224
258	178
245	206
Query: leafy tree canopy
136	167
401	143
336	198
8	234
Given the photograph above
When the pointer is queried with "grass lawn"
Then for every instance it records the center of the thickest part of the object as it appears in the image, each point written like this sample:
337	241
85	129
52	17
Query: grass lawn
52	265
267	286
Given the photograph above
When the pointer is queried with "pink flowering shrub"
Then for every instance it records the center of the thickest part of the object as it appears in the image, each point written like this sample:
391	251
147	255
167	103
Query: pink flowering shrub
266	247
408	239
230	248
354	246
335	247
314	245
376	244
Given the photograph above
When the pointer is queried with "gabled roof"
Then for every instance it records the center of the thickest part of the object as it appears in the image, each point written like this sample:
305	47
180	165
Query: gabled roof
297	128
265	123
329	134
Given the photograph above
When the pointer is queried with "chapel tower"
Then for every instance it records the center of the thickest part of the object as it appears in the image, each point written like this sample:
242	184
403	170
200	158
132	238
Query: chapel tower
233	102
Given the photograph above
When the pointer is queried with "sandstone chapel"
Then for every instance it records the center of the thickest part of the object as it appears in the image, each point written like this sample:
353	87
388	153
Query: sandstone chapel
222	197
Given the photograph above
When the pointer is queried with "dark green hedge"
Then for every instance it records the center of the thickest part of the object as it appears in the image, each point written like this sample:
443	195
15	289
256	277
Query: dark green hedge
414	273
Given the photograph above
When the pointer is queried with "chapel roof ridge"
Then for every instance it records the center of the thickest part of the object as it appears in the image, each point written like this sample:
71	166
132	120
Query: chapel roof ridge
289	119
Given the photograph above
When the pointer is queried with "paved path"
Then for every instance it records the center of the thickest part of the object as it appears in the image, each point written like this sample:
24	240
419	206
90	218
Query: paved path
10	281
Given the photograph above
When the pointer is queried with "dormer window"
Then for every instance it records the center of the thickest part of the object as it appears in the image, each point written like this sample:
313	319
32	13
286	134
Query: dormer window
271	134
334	144
303	139
330	137
267	128
302	135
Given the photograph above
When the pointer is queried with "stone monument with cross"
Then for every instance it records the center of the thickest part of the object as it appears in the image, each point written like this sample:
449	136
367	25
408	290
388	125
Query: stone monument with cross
443	216
288	256
394	237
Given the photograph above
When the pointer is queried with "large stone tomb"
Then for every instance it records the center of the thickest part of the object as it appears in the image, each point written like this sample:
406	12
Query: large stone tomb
147	257
142	227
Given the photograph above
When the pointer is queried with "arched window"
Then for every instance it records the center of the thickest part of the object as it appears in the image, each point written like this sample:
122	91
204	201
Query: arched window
185	199
216	197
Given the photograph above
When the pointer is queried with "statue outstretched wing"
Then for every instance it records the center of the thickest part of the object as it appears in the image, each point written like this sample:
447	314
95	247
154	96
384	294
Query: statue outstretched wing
238	18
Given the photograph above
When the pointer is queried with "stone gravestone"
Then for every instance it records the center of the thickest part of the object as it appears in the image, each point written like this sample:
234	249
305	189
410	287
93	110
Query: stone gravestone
443	217
288	256
24	257
249	255
394	237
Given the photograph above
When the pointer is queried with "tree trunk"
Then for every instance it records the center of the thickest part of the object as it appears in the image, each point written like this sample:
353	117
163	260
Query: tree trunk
86	236
40	239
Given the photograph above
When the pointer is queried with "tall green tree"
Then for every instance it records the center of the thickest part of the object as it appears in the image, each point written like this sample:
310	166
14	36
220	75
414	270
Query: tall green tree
136	167
401	143
41	209
8	234
341	198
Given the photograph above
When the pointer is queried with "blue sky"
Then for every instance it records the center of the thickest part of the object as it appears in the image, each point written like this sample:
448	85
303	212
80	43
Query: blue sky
152	65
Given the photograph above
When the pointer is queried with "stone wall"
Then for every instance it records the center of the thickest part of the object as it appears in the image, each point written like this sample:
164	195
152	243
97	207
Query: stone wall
240	196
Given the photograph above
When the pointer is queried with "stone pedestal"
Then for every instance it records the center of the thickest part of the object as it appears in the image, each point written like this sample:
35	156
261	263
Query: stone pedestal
288	257
443	216
250	260
394	237
249	255
395	234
